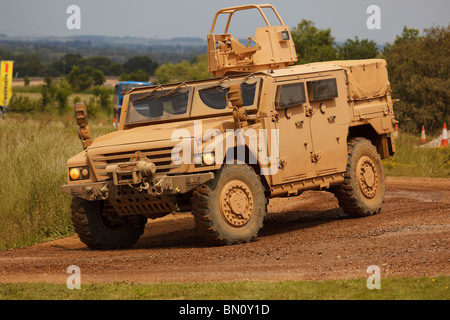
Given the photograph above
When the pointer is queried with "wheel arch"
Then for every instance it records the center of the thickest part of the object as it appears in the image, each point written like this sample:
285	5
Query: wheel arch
384	143
251	160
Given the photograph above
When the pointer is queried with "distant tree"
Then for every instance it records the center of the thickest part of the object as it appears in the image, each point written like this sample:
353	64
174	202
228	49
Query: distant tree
419	68
99	62
65	65
357	49
30	64
73	77
184	71
408	36
98	78
81	80
115	69
143	63
62	93
313	44
55	94
48	91
139	75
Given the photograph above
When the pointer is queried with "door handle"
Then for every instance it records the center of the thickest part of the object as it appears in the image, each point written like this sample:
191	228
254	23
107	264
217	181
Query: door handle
309	111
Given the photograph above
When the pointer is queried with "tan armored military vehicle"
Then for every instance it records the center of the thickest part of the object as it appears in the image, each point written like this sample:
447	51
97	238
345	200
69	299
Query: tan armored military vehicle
220	148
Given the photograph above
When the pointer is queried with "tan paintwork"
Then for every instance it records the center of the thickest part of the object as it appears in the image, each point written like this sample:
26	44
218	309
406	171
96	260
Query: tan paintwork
312	137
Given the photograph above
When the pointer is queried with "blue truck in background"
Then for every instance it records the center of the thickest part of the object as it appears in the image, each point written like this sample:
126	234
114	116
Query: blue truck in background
120	89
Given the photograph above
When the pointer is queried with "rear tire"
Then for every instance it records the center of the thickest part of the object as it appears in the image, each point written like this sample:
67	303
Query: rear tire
362	193
231	208
99	227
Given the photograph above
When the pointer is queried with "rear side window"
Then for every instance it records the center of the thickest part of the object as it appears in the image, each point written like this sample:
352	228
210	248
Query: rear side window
289	95
322	89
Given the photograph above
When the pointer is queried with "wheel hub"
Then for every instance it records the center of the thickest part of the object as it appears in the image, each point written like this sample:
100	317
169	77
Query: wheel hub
367	176
236	203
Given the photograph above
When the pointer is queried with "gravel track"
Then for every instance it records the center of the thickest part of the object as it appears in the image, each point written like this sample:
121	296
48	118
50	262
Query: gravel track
304	238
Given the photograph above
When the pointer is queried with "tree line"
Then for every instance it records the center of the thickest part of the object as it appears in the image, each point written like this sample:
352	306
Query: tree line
31	65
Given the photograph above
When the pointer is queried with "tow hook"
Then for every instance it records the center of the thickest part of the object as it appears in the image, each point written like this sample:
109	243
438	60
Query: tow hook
104	192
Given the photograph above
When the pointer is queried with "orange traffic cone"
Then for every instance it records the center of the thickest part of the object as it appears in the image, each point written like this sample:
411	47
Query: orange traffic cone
395	133
423	136
114	122
444	141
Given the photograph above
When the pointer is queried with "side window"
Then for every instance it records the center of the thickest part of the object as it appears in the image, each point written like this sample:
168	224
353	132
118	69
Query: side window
289	95
322	89
215	97
248	93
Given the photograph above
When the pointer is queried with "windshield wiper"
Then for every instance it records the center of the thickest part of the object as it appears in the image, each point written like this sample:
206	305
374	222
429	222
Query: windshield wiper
173	91
149	94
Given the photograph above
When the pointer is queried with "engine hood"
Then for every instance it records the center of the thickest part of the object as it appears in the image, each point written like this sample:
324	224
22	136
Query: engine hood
159	132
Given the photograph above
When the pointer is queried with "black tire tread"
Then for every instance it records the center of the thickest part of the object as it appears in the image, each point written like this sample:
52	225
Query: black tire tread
347	193
82	226
201	210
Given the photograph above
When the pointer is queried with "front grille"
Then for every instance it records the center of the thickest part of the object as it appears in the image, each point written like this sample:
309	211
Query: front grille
160	157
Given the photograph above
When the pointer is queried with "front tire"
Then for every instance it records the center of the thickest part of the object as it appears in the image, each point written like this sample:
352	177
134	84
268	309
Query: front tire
99	227
231	208
362	193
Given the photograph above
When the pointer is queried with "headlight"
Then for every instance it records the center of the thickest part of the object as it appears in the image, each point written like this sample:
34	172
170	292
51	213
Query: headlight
74	174
79	173
208	159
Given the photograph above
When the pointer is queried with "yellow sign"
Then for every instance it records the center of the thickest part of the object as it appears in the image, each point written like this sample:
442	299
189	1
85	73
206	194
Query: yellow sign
6	73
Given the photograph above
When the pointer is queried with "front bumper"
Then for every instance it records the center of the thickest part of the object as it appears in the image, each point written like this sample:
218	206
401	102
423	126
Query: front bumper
153	186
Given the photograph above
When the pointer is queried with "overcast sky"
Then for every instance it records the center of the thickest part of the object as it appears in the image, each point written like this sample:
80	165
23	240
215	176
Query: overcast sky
193	18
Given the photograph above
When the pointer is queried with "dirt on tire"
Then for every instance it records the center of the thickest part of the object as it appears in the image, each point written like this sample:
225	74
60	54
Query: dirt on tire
307	237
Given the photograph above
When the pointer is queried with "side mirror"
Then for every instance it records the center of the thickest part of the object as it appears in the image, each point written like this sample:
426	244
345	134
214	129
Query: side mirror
84	133
235	102
234	96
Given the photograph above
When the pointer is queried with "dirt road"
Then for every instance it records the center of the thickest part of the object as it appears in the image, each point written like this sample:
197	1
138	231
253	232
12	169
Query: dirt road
304	238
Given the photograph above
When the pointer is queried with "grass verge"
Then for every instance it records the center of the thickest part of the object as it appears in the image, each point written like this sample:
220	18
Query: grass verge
412	161
33	161
424	288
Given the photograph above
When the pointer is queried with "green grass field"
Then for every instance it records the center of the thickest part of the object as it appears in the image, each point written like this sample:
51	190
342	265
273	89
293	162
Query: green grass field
412	161
355	289
33	161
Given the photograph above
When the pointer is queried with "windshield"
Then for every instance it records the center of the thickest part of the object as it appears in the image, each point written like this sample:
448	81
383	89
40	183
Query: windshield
158	105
